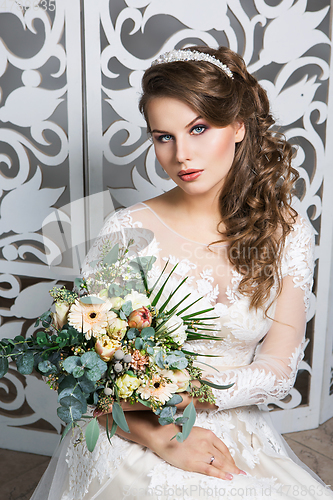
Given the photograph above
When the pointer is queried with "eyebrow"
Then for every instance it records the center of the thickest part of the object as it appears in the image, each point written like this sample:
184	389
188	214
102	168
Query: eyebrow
186	126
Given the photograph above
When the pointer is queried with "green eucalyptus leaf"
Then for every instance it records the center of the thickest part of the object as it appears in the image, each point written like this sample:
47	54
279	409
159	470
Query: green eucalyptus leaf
90	299
189	413
68	381
69	415
25	363
181	420
41	338
148	332
3	366
114	290
175	400
112	256
75	393
92	434
160	359
119	417
47	367
93	374
180	437
89	359
127	308
131	334
165	421
168	412
19	338
138	343
122	315
67	429
87	386
78	372
143	402
71	362
111	432
78	282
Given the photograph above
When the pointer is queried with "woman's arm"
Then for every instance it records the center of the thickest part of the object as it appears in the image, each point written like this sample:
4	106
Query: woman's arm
272	373
194	454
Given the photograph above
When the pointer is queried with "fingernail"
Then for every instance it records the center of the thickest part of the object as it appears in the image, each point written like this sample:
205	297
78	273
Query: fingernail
229	476
243	472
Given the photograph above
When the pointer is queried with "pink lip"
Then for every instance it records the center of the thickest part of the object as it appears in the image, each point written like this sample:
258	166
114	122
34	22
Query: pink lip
189	175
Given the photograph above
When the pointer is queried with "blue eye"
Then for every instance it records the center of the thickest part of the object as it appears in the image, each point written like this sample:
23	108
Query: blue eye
164	138
198	129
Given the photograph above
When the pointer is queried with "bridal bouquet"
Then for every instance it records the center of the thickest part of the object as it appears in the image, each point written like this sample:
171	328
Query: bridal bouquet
115	339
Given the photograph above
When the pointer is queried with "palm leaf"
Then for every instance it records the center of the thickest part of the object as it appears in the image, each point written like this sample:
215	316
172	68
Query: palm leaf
163	306
158	279
158	295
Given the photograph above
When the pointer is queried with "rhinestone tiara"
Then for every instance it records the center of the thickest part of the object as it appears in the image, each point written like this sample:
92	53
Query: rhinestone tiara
191	55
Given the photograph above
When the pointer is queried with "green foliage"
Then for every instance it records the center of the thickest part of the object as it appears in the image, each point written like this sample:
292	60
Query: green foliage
112	256
92	434
63	295
3	366
25	363
119	417
191	415
89	365
91	300
45	319
47	368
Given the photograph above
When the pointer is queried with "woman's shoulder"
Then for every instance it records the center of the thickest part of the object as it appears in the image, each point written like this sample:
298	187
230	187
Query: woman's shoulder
125	216
299	246
302	231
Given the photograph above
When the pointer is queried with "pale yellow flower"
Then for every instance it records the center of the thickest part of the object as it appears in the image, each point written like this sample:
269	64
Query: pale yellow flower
60	315
106	347
91	319
182	379
126	385
117	328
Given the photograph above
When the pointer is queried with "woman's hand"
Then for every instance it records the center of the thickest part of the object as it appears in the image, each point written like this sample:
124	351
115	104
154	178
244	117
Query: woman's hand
196	452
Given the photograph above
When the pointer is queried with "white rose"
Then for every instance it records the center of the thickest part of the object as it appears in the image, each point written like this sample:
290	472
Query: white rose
138	299
179	335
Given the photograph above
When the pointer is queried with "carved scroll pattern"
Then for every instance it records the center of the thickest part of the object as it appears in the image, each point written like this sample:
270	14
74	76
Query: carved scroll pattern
36	172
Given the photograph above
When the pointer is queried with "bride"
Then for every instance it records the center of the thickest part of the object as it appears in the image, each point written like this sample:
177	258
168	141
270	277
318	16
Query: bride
230	226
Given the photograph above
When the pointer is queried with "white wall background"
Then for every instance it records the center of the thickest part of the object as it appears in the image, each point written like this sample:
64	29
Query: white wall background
73	146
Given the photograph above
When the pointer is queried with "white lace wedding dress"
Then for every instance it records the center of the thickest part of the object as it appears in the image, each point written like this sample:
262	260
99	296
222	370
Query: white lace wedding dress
259	355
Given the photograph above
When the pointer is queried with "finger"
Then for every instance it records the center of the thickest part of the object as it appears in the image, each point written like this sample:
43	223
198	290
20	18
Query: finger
209	470
222	448
224	465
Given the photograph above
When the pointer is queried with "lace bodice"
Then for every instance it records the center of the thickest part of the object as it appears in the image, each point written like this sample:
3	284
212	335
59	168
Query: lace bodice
259	354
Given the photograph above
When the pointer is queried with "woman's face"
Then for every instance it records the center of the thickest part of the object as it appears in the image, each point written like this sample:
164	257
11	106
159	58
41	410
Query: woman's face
194	153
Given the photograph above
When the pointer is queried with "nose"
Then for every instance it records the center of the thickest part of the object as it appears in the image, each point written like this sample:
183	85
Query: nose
183	152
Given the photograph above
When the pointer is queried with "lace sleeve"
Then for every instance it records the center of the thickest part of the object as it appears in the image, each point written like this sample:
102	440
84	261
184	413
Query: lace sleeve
272	373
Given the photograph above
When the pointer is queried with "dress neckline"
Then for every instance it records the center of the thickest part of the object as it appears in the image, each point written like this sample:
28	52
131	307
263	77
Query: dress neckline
178	234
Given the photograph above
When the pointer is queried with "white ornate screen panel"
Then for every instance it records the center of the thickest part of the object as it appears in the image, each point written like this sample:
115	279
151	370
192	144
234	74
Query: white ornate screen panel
286	45
42	57
41	168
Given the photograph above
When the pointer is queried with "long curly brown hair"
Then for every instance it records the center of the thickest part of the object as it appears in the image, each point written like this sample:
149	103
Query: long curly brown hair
255	201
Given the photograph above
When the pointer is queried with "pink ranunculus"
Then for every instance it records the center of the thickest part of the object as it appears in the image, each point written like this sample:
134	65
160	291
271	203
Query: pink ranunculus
140	318
106	347
182	379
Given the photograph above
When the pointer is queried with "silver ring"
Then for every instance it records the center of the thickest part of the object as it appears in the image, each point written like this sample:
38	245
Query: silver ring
212	460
